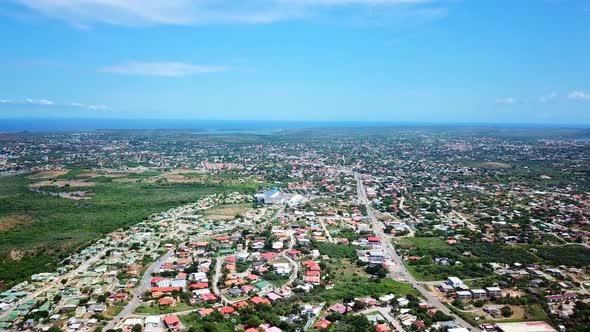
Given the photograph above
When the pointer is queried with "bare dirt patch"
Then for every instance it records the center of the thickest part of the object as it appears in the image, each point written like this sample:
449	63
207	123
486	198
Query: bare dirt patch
182	175
518	312
494	165
16	255
49	174
186	171
13	220
105	174
125	180
62	183
226	212
184	179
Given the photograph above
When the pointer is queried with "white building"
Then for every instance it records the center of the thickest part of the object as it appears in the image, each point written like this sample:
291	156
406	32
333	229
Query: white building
454	281
178	282
479	293
464	295
282	268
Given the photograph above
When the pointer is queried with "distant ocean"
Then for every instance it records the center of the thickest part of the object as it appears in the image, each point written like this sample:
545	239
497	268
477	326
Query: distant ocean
200	126
219	126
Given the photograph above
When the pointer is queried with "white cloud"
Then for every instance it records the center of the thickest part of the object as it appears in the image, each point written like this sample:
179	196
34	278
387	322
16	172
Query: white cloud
188	12
49	103
548	97
579	95
98	107
506	101
40	102
91	107
168	69
353	2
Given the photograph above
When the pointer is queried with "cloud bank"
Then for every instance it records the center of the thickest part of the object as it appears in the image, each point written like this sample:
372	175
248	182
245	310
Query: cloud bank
166	69
579	95
191	12
506	101
50	103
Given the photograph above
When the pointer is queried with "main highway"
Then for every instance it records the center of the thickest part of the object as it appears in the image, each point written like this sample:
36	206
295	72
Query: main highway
400	268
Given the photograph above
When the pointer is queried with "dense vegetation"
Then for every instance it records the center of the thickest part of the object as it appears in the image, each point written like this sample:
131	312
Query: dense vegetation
470	255
47	228
571	255
336	250
474	254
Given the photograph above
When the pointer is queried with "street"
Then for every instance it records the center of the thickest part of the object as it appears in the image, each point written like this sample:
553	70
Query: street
399	265
144	285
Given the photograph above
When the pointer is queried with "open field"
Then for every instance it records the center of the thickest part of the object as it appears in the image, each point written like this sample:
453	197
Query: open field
346	271
494	165
427	243
62	183
48	174
351	281
114	310
155	309
518	314
533	312
14	220
51	227
227	212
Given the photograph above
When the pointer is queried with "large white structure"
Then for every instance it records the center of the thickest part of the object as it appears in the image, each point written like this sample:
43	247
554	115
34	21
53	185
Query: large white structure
273	196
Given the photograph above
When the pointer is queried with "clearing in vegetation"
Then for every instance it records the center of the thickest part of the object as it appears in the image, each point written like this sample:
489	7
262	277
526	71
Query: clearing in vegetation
55	227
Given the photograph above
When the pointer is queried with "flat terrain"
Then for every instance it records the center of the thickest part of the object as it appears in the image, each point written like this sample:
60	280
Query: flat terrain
428	247
50	227
227	212
352	281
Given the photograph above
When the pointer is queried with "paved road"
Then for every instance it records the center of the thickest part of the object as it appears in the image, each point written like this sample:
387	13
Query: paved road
311	320
378	228
144	285
216	291
293	262
402	200
328	235
57	282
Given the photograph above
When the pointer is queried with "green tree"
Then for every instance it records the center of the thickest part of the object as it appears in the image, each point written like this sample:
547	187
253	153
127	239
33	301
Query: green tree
253	321
458	303
506	311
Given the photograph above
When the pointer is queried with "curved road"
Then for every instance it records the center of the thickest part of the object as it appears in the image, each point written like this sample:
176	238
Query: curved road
144	285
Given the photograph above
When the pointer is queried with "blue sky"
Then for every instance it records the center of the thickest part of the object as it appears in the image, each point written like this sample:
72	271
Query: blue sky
500	61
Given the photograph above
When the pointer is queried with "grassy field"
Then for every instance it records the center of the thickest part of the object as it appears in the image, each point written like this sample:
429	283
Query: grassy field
114	310
227	211
39	229
428	243
535	312
157	310
352	281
